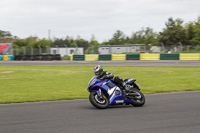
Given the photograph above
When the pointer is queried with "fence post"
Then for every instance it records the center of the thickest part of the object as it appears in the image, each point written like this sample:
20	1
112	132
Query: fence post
66	50
57	49
17	52
31	50
24	50
180	47
39	50
47	49
145	48
76	49
109	49
163	47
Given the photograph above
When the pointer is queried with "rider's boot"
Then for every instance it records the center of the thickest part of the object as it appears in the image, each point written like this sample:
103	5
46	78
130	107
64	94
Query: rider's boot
125	87
125	90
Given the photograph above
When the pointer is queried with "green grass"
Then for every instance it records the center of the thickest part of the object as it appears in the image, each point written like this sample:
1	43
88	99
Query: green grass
42	83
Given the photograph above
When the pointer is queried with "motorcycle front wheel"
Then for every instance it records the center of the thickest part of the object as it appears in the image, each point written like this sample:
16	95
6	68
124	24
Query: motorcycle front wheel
138	100
98	102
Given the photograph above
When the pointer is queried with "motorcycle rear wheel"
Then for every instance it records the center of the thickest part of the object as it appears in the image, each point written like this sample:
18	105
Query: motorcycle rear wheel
96	101
139	100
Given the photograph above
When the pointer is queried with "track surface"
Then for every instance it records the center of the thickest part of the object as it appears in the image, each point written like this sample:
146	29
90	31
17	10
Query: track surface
163	113
103	63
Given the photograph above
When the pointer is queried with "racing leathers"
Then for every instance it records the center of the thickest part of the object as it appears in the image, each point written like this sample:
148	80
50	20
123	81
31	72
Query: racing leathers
118	81
106	75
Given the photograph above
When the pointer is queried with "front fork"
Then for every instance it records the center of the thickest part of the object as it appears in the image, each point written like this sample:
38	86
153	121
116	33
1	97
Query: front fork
100	94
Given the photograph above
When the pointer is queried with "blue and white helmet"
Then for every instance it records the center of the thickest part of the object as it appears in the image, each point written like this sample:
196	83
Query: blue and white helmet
98	70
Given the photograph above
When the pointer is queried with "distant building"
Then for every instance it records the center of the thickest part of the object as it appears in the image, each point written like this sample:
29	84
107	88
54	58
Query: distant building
67	51
155	49
119	49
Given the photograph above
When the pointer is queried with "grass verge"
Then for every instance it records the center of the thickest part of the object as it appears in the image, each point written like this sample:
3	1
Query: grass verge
43	83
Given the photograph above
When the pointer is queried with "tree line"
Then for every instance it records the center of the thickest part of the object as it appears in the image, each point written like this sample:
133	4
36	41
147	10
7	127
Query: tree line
175	31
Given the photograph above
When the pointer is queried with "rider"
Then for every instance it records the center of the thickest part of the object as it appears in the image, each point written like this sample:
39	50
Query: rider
102	75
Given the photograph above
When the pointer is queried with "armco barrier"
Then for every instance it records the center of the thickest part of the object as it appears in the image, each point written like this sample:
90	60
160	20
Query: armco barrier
10	57
27	57
118	56
149	56
17	57
91	57
189	56
105	57
71	57
1	57
78	57
133	57
57	57
5	57
48	57
169	56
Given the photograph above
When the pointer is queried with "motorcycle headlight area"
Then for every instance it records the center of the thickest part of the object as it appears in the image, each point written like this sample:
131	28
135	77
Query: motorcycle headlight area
92	81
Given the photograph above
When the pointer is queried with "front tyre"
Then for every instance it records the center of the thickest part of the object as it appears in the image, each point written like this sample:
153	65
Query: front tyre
98	102
138	100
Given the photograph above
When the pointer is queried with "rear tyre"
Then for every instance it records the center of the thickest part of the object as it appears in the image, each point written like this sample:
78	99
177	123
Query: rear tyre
98	102
138	100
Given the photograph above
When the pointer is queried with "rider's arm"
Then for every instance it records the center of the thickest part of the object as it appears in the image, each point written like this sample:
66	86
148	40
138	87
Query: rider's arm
109	75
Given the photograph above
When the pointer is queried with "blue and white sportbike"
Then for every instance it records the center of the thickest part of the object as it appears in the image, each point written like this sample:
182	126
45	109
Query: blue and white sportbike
105	92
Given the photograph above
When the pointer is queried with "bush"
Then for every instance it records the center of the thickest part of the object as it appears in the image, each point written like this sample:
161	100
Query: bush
197	48
65	58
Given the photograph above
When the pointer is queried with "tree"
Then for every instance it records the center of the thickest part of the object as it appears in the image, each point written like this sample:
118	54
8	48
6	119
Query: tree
82	43
173	33
4	34
93	46
43	43
19	43
62	42
29	41
118	38
190	33
144	36
196	38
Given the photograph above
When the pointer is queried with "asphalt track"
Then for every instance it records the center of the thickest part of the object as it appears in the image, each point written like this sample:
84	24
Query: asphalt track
163	113
104	63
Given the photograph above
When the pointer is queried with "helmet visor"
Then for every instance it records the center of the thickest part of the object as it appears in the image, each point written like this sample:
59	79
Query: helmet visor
97	73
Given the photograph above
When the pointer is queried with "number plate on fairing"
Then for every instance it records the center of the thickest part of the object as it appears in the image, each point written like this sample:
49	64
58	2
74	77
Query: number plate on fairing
120	101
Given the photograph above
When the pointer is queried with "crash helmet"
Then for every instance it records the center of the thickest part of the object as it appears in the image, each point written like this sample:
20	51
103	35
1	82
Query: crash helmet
98	70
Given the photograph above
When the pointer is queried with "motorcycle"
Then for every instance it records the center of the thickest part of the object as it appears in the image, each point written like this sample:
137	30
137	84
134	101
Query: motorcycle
106	92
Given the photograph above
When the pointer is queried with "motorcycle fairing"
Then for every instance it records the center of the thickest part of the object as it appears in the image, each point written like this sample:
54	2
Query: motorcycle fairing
128	81
113	97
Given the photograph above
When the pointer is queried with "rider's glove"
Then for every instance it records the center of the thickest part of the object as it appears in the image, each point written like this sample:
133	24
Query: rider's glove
104	77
